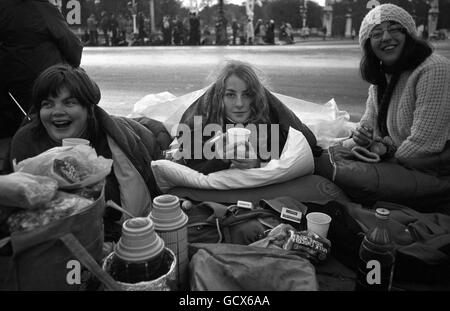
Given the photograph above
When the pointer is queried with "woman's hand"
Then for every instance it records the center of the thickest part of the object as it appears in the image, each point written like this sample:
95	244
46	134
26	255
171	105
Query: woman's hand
246	160
363	135
241	154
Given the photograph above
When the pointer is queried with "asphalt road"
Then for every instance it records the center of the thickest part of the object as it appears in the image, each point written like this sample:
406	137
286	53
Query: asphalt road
316	71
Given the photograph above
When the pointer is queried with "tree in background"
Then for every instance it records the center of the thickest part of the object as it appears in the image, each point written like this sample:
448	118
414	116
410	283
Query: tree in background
283	11
278	10
444	14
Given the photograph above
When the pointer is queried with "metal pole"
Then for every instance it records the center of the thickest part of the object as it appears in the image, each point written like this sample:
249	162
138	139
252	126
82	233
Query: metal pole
305	13
221	29
152	16
134	17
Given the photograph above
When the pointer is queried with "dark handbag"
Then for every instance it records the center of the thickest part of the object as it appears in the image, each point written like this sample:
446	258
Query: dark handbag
39	258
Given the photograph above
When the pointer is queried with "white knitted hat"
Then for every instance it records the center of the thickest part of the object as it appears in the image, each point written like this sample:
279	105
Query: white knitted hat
383	13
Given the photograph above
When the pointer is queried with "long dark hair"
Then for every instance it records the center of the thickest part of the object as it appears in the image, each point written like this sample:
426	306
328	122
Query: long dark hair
51	82
415	51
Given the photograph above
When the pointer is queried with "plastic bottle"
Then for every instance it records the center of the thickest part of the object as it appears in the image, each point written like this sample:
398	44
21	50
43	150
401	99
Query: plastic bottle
376	256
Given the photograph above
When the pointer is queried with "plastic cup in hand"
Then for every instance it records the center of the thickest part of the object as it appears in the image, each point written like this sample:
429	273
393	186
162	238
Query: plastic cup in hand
318	223
239	136
74	142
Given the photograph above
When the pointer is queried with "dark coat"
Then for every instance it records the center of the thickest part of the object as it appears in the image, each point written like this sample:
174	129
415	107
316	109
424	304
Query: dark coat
33	36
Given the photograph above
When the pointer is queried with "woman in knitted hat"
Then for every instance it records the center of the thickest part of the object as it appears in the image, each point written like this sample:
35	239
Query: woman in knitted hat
66	101
409	97
403	149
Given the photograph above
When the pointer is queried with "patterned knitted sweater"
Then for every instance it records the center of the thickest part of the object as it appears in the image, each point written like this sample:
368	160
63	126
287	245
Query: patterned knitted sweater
418	118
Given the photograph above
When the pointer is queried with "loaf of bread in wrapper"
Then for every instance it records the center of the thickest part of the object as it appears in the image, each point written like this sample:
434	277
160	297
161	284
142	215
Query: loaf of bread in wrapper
26	191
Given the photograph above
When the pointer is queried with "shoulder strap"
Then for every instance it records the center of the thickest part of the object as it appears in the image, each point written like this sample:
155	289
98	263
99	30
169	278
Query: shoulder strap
219	210
218	214
86	259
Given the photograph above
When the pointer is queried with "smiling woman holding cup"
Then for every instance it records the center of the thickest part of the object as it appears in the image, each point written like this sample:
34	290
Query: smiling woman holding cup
238	99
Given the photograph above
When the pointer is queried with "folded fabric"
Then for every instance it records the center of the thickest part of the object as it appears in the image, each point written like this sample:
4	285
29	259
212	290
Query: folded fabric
296	160
310	188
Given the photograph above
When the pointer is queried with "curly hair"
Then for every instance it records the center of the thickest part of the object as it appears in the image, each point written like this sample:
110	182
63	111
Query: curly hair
213	102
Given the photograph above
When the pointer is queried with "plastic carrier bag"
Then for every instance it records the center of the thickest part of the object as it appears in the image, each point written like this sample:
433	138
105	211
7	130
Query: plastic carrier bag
72	166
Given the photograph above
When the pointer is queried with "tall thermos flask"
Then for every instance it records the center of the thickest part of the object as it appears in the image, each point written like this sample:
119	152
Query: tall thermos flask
171	225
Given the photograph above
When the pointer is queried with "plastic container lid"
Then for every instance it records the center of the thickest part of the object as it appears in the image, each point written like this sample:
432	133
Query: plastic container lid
382	213
167	214
139	241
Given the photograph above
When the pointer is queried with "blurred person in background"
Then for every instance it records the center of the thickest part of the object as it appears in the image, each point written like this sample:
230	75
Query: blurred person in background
33	36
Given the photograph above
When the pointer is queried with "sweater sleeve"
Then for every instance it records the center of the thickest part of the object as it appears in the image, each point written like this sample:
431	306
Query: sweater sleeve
370	114
431	119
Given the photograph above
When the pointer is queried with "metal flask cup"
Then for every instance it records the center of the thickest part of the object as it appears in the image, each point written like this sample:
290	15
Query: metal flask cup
139	255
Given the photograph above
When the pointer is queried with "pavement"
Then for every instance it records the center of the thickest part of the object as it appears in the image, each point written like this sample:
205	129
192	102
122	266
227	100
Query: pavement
310	69
313	72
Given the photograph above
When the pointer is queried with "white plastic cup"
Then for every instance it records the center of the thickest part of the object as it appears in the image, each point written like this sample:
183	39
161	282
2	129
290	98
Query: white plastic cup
238	135
318	223
75	141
